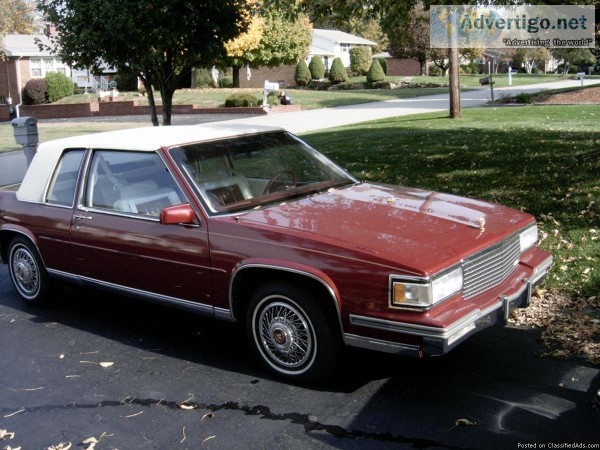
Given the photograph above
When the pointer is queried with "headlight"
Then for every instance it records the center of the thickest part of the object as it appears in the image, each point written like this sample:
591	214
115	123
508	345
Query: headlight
528	238
425	294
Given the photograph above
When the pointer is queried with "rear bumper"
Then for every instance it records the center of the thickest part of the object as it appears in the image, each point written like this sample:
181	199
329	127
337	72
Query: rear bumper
437	341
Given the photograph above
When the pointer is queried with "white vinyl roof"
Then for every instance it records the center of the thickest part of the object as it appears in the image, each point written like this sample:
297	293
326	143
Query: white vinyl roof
147	139
341	37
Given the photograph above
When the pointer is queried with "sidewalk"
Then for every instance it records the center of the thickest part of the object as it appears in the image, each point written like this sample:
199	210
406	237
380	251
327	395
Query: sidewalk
13	165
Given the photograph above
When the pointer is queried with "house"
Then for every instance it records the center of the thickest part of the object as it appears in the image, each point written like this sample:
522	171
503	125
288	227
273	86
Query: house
330	44
24	61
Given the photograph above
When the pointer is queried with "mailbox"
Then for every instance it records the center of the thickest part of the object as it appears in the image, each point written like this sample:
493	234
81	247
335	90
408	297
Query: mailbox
25	130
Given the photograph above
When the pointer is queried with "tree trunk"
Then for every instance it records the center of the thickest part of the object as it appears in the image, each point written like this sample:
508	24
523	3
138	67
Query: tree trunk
145	77
454	83
236	76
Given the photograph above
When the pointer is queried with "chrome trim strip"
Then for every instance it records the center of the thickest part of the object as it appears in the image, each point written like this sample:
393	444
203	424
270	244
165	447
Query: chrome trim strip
381	345
224	314
542	270
284	269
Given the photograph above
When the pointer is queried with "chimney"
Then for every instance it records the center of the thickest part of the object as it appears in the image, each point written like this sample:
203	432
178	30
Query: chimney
50	30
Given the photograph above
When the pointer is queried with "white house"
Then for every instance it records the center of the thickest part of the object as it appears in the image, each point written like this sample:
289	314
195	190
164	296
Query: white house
330	44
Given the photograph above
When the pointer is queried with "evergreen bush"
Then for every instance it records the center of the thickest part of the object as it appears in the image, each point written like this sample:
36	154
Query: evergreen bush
383	63
337	73
226	82
316	67
242	99
302	75
360	60
59	86
375	72
34	92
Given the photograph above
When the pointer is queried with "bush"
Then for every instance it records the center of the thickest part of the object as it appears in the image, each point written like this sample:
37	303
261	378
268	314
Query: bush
302	75
383	63
524	97
226	82
316	67
360	59
34	92
204	78
242	99
375	72
337	73
59	86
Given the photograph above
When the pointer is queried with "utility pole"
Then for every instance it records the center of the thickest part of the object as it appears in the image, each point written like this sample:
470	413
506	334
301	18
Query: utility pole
454	83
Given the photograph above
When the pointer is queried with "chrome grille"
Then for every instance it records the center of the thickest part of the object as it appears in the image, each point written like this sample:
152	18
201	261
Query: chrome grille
490	267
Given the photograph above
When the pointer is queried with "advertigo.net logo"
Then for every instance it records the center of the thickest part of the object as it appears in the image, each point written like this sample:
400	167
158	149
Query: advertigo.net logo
563	26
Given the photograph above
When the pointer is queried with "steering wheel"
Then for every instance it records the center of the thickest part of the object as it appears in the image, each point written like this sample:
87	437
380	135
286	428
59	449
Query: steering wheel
272	181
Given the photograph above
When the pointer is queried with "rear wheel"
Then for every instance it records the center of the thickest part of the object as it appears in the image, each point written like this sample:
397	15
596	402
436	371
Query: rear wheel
27	272
291	334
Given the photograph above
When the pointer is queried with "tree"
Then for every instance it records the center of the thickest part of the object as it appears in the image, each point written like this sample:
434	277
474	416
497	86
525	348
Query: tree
316	67
157	40
274	38
409	38
531	57
581	57
16	17
360	59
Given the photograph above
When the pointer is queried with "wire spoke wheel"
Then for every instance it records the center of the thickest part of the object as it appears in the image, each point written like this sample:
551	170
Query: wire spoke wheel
27	272
285	335
291	333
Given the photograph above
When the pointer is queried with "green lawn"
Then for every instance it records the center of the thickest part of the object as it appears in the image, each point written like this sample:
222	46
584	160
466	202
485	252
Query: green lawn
541	159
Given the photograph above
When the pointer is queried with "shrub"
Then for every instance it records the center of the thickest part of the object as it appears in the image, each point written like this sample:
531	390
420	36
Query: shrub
226	82
34	92
242	99
302	75
204	78
375	72
360	59
524	97
316	67
59	86
337	73
383	63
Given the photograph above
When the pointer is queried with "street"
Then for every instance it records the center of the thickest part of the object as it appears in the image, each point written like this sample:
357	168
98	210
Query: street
134	375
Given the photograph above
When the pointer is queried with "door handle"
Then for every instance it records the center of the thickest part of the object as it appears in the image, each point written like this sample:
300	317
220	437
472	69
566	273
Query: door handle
81	217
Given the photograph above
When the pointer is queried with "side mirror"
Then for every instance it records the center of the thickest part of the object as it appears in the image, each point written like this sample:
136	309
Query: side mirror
179	214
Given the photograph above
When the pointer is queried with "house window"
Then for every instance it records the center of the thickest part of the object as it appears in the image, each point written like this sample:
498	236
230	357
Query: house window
39	67
345	47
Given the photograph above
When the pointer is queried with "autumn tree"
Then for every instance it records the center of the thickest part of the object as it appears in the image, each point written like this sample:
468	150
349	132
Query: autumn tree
16	17
275	37
157	40
574	57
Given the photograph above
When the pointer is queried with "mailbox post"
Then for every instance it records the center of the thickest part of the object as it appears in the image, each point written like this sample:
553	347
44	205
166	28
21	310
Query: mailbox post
26	134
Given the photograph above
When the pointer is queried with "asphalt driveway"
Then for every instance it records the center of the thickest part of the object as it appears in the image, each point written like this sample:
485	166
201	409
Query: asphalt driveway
139	376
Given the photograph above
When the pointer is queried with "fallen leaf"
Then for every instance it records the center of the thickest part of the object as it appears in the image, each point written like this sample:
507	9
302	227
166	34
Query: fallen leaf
207	416
61	446
105	364
188	407
6	434
464	423
208	439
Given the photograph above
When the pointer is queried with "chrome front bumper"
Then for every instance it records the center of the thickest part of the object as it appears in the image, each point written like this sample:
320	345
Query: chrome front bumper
437	341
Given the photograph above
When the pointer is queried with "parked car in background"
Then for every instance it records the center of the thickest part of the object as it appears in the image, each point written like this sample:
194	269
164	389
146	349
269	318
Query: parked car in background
252	225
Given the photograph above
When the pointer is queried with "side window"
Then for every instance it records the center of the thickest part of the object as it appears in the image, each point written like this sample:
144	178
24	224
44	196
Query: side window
130	182
64	181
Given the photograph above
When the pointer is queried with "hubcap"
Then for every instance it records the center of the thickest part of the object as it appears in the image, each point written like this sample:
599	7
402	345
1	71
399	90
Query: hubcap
25	271
285	335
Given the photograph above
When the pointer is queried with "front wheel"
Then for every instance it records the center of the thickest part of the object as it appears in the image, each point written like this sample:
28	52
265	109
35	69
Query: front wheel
291	333
27	272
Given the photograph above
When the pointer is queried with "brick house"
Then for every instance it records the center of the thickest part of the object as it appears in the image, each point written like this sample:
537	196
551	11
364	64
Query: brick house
23	61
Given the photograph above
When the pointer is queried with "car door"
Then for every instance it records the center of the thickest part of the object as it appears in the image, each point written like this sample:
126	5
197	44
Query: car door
117	238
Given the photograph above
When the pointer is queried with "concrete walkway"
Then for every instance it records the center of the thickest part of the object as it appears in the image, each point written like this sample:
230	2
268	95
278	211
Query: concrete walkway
13	166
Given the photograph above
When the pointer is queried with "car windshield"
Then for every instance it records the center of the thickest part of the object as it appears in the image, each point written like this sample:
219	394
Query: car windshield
250	171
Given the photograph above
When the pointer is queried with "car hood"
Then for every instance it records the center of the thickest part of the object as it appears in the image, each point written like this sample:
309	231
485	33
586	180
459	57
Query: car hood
428	230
